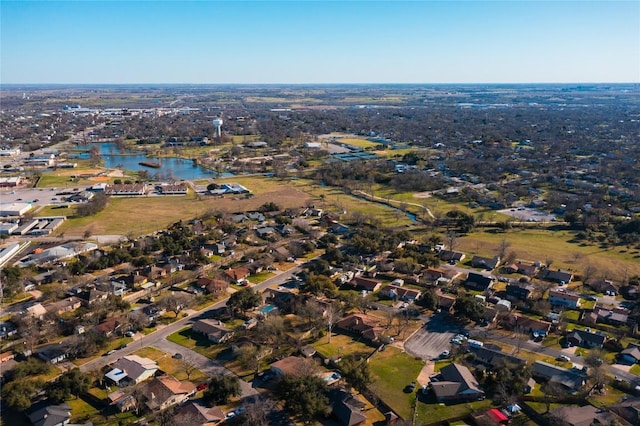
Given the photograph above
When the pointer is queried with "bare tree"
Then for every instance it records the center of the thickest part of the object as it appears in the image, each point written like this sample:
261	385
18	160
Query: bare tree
332	314
502	248
257	411
176	302
452	240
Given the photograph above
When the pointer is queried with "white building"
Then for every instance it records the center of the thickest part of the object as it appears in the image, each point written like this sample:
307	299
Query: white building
14	209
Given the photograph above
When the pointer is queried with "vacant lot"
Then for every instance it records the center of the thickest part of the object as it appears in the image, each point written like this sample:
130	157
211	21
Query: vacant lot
392	370
541	244
143	215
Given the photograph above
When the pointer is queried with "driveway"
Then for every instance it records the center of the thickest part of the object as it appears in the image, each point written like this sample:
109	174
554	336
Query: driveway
434	337
210	367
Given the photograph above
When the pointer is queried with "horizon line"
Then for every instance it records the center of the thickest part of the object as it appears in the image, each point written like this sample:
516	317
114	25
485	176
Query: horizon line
322	84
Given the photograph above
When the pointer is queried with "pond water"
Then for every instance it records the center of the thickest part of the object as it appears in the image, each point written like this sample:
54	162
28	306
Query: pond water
171	168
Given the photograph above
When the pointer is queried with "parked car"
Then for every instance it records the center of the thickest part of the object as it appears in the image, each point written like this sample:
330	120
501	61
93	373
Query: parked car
444	354
563	358
412	386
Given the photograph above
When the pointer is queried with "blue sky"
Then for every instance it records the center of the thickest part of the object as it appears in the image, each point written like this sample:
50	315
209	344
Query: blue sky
345	41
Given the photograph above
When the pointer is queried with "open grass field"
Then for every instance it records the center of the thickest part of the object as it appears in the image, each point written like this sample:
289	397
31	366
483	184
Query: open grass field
143	215
334	199
541	244
360	143
392	370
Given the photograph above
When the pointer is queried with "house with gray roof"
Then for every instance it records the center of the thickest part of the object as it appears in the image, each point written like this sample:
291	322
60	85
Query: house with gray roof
457	384
572	380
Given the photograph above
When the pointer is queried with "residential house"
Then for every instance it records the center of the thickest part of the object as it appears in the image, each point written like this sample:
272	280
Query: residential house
519	290
494	358
132	369
585	415
338	228
439	276
282	298
527	269
585	339
7	329
290	366
367	284
218	248
457	384
571	380
43	414
134	279
91	295
236	276
265	231
153	272
165	391
451	256
256	216
401	293
347	408
285	230
630	355
560	297
485	262
153	311
613	316
215	330
195	414
446	302
361	325
6	356
605	286
213	285
37	311
478	282
557	276
527	324
629	410
108	326
53	354
63	306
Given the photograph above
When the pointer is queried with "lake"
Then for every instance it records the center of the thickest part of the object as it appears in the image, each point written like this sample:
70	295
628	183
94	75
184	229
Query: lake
172	168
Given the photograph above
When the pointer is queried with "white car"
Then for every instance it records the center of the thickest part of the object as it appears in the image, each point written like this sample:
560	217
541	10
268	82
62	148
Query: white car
563	358
444	354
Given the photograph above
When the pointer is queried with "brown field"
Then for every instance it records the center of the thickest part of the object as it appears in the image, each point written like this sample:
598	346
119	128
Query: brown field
142	215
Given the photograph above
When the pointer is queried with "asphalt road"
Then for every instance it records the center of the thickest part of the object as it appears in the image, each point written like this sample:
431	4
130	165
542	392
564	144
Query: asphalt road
158	338
530	345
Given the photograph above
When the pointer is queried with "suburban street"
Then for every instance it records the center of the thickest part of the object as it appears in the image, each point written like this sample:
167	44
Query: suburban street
434	337
158	339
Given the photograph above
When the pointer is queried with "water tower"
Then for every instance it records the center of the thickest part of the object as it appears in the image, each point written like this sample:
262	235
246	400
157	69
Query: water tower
218	124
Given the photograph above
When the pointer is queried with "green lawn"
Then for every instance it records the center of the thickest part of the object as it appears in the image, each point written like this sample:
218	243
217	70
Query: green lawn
187	338
392	370
261	277
433	413
635	370
340	344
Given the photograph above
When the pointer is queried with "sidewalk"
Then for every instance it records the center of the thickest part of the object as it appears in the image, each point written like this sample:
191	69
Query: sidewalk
426	372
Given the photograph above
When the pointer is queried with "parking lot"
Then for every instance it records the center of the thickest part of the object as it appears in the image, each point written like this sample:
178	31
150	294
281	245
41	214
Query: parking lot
34	196
526	214
433	338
